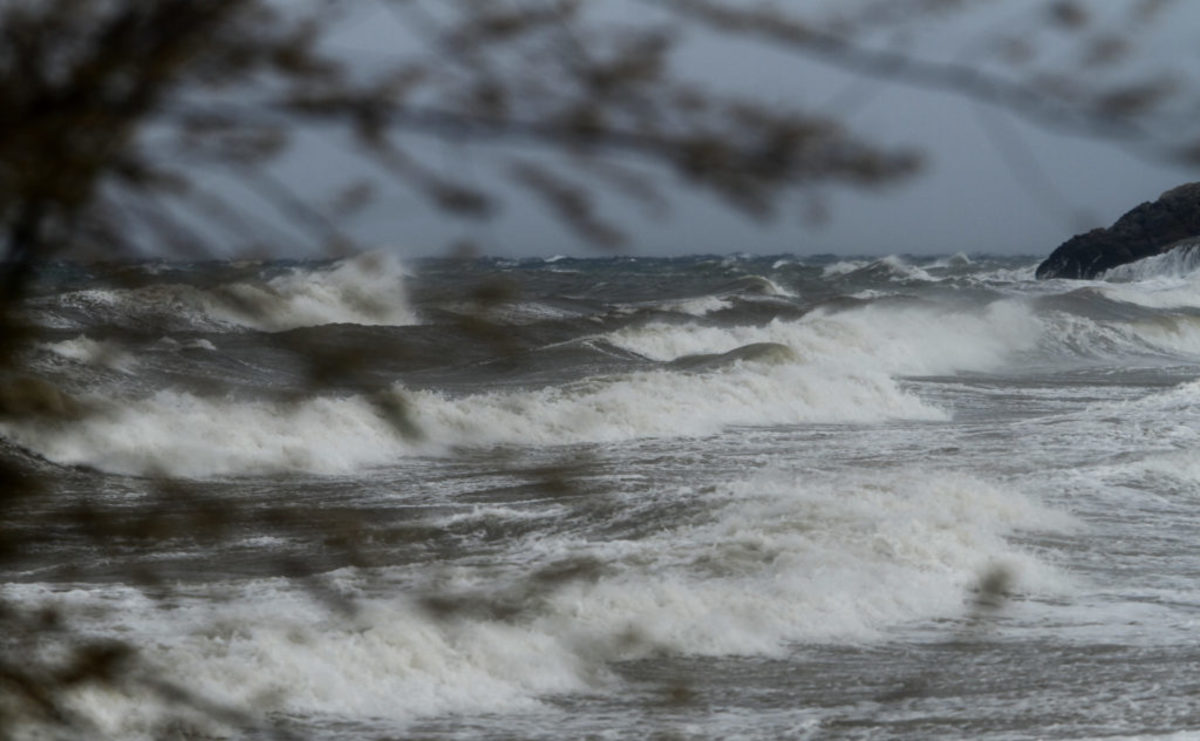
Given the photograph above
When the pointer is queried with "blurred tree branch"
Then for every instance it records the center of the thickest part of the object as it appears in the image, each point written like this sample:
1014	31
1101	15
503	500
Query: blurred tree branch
141	99
1115	111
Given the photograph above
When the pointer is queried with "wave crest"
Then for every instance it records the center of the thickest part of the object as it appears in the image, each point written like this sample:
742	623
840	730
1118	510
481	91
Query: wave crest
1179	261
366	289
182	434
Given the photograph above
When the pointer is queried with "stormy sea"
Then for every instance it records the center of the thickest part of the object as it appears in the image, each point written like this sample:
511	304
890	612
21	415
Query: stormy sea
621	497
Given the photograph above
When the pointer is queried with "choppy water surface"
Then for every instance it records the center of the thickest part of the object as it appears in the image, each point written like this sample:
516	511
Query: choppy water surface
716	497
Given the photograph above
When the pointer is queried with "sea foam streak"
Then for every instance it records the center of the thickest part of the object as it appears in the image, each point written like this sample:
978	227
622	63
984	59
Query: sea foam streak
781	559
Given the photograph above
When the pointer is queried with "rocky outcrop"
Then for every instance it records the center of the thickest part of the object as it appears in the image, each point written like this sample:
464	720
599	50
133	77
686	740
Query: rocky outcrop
1150	229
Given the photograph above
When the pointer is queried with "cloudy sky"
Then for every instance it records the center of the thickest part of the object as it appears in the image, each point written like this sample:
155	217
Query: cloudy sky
992	182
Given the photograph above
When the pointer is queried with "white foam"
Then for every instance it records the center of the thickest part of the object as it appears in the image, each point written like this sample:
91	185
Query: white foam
1176	335
1181	261
957	260
695	306
1157	293
1169	280
897	268
1160	474
264	648
1182	466
699	306
917	340
782	559
181	434
83	349
366	289
902	269
199	344
1172	410
669	404
791	558
843	371
842	267
1163	335
893	340
1023	276
185	435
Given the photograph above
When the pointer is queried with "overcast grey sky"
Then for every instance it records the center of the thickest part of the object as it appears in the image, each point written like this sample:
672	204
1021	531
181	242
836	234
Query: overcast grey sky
991	182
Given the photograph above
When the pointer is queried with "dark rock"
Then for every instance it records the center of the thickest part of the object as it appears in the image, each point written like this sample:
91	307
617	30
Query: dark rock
1148	230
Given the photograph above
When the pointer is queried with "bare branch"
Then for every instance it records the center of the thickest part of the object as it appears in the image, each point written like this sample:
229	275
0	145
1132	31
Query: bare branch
1110	118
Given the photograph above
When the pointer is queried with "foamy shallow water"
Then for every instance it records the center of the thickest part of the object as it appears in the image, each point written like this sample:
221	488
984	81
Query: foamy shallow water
897	500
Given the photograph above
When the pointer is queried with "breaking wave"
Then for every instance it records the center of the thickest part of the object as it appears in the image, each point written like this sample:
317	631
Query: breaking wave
367	289
1178	262
890	268
183	434
905	340
782	559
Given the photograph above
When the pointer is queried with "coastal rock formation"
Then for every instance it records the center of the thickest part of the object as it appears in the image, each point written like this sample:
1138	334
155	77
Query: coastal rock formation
1150	229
